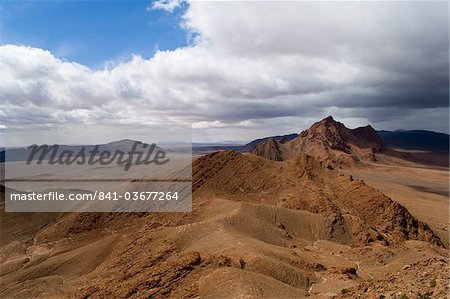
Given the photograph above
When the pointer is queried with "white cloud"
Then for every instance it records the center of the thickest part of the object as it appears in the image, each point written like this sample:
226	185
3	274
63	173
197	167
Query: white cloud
168	5
252	63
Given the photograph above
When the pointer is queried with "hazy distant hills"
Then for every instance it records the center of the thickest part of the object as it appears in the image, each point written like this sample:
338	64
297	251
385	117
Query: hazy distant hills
404	139
416	140
21	154
204	148
288	225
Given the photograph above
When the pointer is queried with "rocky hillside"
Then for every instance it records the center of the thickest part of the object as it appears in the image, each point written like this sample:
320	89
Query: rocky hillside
258	229
280	139
329	141
269	149
359	212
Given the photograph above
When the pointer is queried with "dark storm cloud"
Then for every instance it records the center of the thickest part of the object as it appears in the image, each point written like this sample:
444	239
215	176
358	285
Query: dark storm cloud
386	63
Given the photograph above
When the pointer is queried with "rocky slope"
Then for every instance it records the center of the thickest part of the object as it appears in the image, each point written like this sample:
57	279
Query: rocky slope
303	183
258	229
269	149
280	139
330	141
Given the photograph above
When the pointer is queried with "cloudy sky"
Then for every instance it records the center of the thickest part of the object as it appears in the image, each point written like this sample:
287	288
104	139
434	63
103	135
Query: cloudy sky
235	70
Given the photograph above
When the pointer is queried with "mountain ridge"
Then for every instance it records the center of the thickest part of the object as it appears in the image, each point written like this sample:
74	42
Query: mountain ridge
404	139
331	141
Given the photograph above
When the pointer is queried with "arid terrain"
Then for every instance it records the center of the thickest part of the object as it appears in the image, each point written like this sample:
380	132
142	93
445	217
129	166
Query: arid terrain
423	190
332	213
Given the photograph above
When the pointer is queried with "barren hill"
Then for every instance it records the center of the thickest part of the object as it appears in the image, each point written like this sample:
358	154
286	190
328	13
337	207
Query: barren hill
269	149
303	183
258	228
280	139
329	141
334	143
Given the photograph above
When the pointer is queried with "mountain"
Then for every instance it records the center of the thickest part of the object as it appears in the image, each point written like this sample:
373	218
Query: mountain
280	139
329	141
269	149
258	229
336	144
416	140
372	215
126	145
339	146
280	222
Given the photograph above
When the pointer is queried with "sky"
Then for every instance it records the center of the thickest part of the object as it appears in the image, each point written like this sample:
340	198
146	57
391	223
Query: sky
92	33
236	71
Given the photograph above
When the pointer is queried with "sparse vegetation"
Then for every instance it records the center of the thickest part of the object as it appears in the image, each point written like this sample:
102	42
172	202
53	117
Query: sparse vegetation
433	283
404	297
344	291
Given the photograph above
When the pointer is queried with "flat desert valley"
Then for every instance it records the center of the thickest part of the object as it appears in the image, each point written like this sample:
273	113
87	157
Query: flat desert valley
331	213
421	189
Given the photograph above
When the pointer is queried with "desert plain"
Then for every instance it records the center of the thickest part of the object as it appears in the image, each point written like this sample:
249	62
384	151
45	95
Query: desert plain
332	213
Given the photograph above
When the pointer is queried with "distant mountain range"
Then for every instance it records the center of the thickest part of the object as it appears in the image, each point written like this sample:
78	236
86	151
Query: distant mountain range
402	139
416	140
338	146
22	154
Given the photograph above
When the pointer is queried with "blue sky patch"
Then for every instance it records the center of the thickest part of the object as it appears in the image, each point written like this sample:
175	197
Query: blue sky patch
92	32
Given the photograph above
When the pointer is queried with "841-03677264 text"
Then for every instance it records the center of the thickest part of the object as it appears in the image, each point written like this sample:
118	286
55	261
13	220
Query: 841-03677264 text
97	195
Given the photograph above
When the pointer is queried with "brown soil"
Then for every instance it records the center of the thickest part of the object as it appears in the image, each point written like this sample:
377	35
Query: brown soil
423	190
258	229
